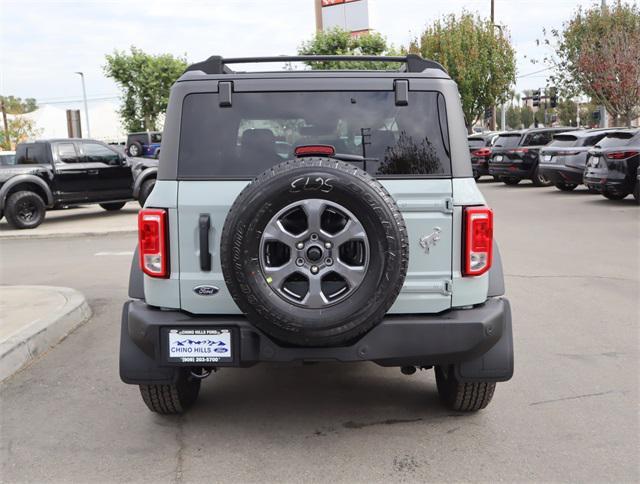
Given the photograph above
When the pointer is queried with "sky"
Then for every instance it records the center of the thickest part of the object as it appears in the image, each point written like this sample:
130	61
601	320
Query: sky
43	43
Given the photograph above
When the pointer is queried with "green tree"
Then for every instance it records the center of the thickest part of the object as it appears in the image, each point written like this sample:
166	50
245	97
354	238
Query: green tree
597	52
341	42
20	129
16	105
477	55
513	117
526	116
145	81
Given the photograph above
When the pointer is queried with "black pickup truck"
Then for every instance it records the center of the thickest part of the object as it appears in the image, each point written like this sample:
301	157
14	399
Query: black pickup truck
58	172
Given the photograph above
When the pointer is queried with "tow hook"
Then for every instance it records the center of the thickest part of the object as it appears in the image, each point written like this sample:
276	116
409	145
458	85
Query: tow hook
204	373
408	370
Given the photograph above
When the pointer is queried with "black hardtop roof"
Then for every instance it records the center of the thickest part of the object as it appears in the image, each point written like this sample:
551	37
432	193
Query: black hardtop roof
219	65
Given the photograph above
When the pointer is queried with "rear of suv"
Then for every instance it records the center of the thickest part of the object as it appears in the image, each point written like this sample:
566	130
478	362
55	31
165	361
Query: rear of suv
612	164
313	216
563	160
516	155
480	150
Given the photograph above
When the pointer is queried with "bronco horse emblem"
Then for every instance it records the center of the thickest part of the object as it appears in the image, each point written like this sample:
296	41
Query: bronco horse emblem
430	240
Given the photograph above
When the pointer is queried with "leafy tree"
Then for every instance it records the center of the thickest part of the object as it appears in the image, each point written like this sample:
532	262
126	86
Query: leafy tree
16	105
20	129
341	42
526	116
478	56
598	52
513	117
145	81
567	113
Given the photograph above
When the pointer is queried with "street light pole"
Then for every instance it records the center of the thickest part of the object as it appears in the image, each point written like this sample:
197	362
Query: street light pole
493	108
604	119
86	108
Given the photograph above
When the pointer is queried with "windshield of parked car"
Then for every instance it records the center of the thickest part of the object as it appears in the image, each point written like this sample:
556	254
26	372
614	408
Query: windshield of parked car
507	140
563	141
262	129
615	139
7	159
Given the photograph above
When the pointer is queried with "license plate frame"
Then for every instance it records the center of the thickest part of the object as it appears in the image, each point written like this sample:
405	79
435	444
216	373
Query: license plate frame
201	346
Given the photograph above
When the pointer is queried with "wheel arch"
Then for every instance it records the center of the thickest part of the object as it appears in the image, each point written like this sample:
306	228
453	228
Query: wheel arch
147	174
29	183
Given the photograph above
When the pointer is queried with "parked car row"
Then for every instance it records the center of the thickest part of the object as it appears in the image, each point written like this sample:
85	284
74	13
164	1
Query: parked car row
605	160
56	173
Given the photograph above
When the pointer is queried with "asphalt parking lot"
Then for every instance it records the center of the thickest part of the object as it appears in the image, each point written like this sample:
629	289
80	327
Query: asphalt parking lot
572	265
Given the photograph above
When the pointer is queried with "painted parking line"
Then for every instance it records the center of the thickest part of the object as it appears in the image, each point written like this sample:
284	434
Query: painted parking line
127	252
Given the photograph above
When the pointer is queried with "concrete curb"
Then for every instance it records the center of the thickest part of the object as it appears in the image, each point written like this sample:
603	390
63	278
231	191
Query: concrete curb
28	234
38	336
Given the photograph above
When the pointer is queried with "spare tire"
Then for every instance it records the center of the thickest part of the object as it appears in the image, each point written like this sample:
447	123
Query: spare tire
314	252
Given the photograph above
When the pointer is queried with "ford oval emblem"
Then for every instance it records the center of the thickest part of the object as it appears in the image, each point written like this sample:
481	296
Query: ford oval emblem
206	290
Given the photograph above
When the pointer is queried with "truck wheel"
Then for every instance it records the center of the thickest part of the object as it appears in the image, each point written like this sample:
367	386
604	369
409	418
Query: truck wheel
314	252
614	195
135	149
540	180
510	181
25	210
145	190
112	207
566	187
462	397
171	399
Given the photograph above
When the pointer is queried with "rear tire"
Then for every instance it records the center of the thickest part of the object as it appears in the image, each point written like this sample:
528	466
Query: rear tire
135	149
510	181
540	180
25	210
112	207
462	397
171	399
145	190
566	187
614	195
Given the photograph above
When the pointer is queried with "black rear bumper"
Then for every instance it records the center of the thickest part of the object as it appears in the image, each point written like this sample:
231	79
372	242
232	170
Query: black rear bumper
558	174
477	341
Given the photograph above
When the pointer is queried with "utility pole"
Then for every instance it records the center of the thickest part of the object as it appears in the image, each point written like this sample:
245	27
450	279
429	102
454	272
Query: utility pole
493	108
604	119
7	141
318	7
86	108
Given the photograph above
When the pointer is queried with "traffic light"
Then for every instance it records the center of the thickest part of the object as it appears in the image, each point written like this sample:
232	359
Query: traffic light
488	112
553	98
596	116
536	98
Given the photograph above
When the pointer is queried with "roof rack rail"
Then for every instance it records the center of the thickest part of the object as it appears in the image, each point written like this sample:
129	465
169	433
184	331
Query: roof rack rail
219	65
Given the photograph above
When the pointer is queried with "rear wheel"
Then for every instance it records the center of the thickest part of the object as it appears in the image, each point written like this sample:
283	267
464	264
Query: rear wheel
25	210
566	187
510	181
111	207
171	399
462	397
540	180
614	195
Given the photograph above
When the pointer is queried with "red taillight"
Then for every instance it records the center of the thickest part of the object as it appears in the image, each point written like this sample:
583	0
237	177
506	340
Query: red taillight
478	243
482	152
152	242
519	150
315	150
621	155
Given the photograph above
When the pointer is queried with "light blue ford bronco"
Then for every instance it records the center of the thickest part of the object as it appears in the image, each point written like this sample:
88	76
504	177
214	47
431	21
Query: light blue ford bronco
312	216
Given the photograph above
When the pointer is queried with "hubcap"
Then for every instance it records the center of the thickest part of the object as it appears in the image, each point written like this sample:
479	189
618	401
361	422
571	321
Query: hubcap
314	253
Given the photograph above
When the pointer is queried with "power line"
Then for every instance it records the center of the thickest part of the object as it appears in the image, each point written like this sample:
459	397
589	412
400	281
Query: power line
534	72
67	101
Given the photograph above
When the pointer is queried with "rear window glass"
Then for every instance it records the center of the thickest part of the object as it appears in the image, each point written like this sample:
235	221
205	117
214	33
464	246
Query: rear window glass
262	129
31	154
615	139
507	140
537	139
564	141
476	142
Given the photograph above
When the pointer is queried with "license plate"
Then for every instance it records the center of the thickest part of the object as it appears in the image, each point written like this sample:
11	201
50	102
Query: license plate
199	345
546	158
497	158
